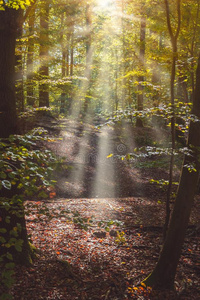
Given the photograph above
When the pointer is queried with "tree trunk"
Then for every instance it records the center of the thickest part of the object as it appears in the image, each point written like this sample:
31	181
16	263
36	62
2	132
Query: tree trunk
8	32
140	96
19	80
88	55
72	53
30	85
16	238
164	273
44	69
174	38
8	125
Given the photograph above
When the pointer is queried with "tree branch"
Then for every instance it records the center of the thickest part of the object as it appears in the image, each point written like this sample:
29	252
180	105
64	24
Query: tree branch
168	20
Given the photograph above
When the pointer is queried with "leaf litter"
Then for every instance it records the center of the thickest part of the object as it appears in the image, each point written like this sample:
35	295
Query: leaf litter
102	247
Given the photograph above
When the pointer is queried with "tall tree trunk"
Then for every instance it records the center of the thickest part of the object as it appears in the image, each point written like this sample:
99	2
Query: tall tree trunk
140	96
30	55
72	52
63	46
63	68
193	46
44	69
21	252
19	87
174	38
116	82
124	65
9	24
164	273
88	37
88	53
8	32
67	54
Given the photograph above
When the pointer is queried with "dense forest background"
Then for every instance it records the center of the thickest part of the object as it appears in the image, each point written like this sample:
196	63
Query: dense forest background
74	68
104	56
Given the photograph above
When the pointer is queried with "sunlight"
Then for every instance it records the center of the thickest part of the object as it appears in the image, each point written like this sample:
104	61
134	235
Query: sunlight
102	182
106	7
105	168
104	3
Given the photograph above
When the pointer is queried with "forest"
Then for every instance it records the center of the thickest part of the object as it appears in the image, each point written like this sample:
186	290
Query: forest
99	149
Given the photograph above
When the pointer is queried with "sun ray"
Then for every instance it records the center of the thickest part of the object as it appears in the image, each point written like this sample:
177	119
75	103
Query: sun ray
110	30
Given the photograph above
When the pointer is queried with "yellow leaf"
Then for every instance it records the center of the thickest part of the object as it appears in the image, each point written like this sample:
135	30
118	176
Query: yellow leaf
110	155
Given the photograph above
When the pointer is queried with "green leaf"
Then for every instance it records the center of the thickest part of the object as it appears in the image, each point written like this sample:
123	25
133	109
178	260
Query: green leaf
9	256
8	274
10	265
2	240
6	184
20	186
7	219
18	245
3	175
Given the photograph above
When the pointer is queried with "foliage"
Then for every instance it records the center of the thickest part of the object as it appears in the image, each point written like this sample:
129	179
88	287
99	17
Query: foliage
25	172
15	4
23	167
121	239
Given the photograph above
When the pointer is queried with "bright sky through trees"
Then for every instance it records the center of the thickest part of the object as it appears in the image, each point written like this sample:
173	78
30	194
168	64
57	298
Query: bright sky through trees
104	3
107	6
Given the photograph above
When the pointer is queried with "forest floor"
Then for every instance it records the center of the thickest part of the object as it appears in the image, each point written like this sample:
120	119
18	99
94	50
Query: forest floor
102	233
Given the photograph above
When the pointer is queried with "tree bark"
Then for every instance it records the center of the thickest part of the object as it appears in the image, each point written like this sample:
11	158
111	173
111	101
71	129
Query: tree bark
88	45
164	273
44	69
30	55
140	96
174	38
72	52
19	80
17	224
8	33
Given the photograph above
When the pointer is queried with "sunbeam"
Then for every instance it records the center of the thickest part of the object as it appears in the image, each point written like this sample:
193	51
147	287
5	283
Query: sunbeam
104	4
98	181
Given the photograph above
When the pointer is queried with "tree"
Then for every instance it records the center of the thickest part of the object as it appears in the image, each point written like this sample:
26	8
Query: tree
174	38
30	57
10	24
44	51
19	82
88	46
164	273
9	19
141	63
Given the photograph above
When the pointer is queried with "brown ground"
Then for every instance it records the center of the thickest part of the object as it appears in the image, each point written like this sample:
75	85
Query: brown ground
123	214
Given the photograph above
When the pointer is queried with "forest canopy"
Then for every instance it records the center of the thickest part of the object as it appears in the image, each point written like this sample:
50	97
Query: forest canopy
111	54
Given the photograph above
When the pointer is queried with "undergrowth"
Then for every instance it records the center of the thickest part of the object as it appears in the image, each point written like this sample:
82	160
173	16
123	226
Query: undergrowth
26	172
